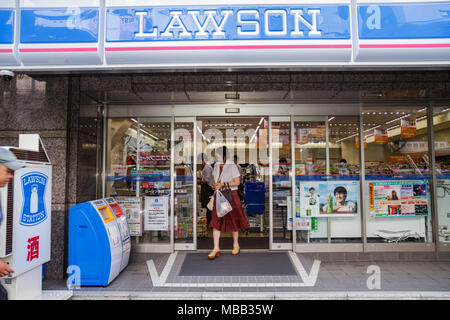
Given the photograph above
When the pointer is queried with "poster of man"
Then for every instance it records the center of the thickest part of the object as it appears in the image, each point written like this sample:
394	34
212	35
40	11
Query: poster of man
331	198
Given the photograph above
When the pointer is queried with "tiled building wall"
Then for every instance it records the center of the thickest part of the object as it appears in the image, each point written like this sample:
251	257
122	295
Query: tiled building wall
32	106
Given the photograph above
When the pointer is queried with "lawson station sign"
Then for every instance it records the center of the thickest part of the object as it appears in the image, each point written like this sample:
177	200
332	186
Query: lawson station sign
109	33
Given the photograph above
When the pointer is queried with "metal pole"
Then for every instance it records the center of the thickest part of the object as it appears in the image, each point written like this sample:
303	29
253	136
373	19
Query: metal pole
293	198
172	187
270	187
105	123
327	153
432	154
362	173
138	166
194	183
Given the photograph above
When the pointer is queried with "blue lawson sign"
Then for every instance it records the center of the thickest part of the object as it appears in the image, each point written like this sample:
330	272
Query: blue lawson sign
241	35
33	186
404	21
228	23
6	27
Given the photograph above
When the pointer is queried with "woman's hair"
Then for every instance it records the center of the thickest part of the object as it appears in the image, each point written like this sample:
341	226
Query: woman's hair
340	190
223	152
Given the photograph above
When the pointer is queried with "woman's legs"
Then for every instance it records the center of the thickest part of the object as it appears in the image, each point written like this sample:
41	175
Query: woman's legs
216	237
235	239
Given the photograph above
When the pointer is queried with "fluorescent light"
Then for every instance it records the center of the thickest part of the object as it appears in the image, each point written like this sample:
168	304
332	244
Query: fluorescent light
260	121
396	119
346	138
393	127
331	119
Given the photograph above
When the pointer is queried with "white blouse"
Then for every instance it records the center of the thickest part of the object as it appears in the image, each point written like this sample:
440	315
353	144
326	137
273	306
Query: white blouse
230	171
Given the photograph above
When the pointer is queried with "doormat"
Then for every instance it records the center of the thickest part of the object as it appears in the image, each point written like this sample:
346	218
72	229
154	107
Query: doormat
244	264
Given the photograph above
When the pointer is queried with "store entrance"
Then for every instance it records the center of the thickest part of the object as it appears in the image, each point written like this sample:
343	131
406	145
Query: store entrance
246	139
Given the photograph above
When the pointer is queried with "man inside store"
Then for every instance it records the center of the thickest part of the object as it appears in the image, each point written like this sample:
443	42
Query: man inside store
8	164
241	179
206	190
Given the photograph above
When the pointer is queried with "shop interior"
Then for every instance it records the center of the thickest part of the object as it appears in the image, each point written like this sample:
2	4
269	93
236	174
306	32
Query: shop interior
324	146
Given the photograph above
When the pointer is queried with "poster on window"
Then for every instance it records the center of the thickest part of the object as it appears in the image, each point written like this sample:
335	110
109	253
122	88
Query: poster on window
301	223
398	198
328	198
131	206
156	214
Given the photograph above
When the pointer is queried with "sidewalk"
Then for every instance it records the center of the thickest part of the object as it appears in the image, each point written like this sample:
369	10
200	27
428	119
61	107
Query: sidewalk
266	276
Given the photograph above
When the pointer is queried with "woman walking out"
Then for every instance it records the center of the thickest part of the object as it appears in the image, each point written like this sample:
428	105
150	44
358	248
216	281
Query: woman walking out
226	174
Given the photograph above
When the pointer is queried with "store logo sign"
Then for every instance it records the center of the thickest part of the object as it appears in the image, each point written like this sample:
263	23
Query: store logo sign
34	185
250	23
228	23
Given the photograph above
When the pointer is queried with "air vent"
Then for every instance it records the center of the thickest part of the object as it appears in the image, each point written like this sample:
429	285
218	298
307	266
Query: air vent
9	218
30	155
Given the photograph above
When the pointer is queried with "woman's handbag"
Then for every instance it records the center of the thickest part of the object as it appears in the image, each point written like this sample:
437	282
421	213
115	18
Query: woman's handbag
226	191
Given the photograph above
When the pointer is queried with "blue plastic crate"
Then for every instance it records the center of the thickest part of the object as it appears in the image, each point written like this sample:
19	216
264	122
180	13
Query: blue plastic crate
255	186
255	197
255	209
255	193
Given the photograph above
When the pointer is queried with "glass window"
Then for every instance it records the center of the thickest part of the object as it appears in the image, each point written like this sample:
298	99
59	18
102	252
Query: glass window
184	182
281	180
397	187
246	139
327	179
138	167
441	122
90	145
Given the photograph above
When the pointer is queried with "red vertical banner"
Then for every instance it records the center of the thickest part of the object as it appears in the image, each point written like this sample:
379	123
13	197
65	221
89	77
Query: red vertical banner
371	196
408	128
357	143
381	136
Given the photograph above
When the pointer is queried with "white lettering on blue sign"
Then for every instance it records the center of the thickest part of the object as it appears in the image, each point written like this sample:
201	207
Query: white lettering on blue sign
374	20
212	24
34	185
218	28
254	24
311	26
176	23
141	33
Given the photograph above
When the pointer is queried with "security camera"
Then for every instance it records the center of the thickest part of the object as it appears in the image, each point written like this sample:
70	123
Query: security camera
7	75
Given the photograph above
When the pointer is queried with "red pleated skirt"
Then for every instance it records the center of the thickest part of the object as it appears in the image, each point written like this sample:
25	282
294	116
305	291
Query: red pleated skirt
233	220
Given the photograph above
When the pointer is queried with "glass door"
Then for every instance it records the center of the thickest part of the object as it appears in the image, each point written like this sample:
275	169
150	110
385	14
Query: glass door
184	187
281	182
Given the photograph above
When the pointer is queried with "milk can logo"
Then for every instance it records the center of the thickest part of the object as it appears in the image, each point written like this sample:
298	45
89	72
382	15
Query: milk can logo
34	185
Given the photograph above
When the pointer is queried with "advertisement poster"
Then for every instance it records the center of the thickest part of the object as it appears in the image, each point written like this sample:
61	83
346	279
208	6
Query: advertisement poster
314	130
301	223
408	128
398	198
156	214
381	136
131	207
328	198
32	214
